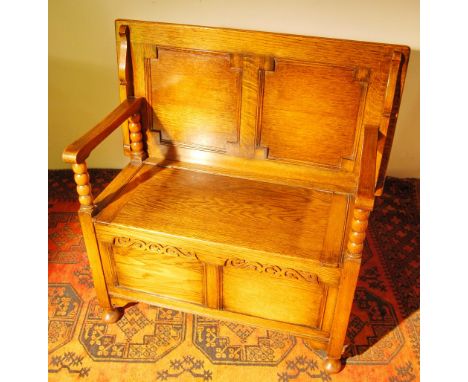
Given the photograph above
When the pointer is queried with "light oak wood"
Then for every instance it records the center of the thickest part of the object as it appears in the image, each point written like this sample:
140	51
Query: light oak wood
79	150
136	138
228	210
139	270
333	365
276	298
213	286
255	160
322	104
316	338
83	187
187	108
125	76
111	316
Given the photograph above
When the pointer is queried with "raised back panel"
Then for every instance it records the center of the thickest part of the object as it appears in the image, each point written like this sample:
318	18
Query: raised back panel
195	97
261	105
311	112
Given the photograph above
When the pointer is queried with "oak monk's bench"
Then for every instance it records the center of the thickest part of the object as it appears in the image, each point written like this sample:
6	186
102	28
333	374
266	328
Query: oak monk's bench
254	162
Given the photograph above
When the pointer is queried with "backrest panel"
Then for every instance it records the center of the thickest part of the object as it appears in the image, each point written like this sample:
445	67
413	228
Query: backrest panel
290	105
311	112
195	98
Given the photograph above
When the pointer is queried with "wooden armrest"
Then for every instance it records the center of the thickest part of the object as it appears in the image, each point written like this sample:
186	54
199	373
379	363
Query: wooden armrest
366	187
79	150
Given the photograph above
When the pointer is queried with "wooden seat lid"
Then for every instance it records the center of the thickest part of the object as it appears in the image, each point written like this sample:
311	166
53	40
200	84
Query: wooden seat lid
255	215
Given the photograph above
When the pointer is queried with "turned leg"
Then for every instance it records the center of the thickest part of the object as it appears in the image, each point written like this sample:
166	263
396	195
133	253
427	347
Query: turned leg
85	197
349	276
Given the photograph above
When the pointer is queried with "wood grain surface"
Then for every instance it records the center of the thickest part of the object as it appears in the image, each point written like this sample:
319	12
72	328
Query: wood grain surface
250	214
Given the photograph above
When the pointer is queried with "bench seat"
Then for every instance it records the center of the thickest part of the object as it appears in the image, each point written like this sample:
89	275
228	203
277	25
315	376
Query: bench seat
252	215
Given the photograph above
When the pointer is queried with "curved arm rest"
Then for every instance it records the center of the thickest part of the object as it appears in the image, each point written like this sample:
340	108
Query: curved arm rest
366	187
79	150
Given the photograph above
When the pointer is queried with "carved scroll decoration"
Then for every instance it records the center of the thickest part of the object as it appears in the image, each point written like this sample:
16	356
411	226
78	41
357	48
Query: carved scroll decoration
160	249
272	270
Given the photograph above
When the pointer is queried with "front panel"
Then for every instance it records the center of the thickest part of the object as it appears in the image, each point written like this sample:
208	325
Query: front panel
257	292
156	269
275	297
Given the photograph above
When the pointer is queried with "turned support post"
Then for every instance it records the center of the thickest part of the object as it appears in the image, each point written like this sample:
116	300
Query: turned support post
351	265
357	234
136	138
83	186
363	205
85	197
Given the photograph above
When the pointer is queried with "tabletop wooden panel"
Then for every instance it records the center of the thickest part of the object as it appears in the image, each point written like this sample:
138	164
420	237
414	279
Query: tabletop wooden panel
297	100
195	98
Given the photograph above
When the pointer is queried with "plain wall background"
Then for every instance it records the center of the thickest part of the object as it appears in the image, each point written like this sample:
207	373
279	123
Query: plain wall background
83	81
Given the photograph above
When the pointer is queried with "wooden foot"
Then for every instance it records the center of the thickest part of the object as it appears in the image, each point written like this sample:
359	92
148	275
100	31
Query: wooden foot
111	316
333	365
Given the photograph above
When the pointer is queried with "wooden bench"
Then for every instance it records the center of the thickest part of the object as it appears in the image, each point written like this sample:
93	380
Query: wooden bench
254	162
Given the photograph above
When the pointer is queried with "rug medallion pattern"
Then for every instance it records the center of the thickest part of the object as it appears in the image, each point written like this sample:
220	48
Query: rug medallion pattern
64	309
143	334
235	344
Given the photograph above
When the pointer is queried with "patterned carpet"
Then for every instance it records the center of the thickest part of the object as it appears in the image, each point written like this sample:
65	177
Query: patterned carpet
156	344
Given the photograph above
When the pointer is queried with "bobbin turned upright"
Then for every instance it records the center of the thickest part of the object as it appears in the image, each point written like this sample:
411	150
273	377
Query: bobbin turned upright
254	162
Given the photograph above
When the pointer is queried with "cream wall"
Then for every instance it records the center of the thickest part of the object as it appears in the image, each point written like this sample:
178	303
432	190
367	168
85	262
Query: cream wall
83	83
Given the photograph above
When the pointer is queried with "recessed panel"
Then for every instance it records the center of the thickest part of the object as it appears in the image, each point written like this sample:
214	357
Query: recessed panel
261	295
311	112
195	98
164	275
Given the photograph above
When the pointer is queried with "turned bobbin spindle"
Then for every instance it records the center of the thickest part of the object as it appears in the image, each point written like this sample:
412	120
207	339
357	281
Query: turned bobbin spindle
83	187
358	233
136	137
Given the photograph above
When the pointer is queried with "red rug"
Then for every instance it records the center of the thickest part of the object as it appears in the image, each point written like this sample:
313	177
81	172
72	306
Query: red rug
156	344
